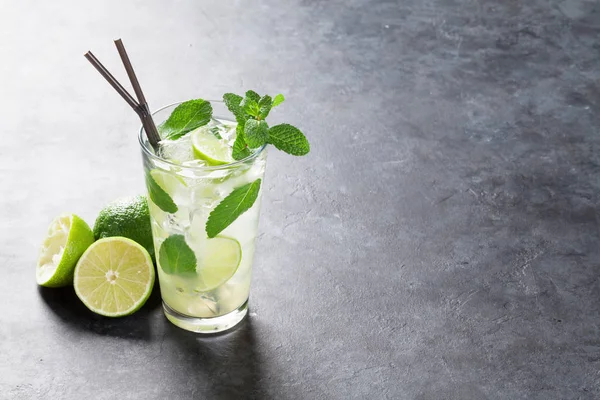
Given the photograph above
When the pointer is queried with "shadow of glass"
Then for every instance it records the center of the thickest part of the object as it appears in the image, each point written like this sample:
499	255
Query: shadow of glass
65	304
224	366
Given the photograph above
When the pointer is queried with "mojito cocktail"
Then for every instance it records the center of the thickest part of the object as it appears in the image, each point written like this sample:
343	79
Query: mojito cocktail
204	281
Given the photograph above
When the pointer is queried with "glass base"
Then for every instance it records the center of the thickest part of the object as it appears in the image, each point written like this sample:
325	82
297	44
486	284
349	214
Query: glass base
206	325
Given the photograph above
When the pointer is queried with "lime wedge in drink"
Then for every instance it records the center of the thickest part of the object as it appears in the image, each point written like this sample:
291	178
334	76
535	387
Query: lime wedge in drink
209	148
219	262
68	237
170	183
114	277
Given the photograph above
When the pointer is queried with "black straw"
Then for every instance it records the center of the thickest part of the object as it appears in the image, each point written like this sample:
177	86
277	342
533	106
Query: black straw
141	109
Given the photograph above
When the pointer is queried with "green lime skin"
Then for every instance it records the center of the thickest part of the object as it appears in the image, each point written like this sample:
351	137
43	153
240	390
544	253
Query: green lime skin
77	240
127	217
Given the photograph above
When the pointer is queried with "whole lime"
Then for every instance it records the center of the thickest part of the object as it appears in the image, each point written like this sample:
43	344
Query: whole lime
128	217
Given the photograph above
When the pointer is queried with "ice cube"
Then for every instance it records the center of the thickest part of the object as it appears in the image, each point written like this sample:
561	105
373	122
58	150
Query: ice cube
177	223
179	150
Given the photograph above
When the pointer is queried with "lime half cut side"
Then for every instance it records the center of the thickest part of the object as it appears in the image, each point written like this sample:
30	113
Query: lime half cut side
219	262
68	237
114	277
209	148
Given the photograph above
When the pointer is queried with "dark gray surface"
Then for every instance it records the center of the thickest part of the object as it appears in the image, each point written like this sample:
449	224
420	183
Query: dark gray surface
440	241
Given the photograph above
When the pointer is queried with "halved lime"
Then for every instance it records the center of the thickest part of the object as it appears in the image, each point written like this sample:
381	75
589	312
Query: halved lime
209	148
114	277
68	237
220	260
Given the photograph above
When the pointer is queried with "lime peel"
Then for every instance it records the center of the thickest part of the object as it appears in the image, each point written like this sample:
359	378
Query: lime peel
219	262
68	237
209	148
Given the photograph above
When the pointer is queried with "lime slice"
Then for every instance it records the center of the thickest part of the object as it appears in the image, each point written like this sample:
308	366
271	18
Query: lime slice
209	148
219	262
114	277
68	237
170	183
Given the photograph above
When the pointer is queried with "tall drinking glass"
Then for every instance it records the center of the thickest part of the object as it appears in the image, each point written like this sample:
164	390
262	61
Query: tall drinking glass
214	297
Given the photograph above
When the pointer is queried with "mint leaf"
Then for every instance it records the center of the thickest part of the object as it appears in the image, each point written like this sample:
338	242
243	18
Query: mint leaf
265	104
186	117
256	133
288	138
176	257
278	100
250	106
235	204
232	101
159	196
240	148
251	94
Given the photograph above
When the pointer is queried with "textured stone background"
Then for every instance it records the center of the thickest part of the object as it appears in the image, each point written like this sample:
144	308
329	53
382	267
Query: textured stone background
440	241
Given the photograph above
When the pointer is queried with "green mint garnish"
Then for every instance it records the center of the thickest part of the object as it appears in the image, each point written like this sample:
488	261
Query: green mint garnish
288	138
240	148
232	101
176	257
277	100
235	204
250	107
265	104
250	112
256	133
185	118
159	196
251	94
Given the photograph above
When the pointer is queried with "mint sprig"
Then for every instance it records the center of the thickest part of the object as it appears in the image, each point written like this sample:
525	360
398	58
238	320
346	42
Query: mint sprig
231	207
253	131
176	257
186	117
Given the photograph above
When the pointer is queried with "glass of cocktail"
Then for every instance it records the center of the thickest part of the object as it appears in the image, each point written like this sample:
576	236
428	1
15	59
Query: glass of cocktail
204	281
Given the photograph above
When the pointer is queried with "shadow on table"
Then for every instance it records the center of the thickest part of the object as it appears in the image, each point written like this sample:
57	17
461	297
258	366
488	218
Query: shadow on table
225	366
65	304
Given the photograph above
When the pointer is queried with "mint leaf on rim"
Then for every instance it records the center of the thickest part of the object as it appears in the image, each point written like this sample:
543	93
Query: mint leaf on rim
231	207
159	196
232	101
176	257
186	117
256	133
240	148
277	100
251	94
250	107
288	138
265	104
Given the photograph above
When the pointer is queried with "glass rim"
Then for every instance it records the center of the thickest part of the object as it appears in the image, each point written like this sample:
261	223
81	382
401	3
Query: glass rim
149	153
